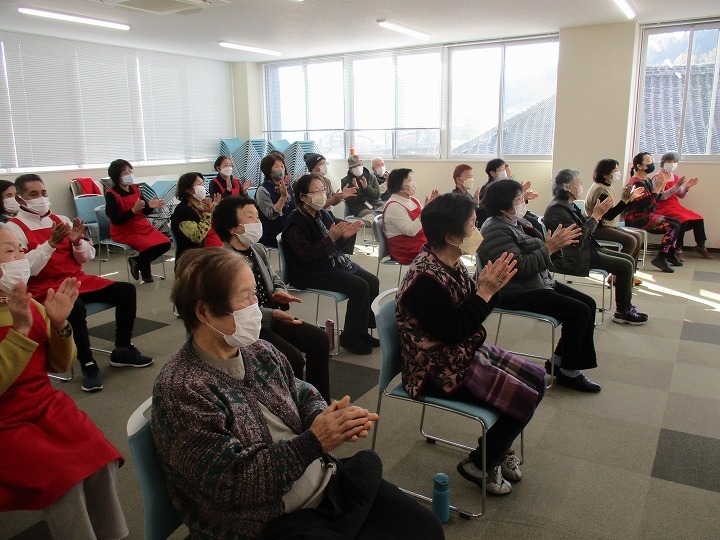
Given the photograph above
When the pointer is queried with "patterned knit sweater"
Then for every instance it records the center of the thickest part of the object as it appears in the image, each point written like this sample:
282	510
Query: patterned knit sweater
225	475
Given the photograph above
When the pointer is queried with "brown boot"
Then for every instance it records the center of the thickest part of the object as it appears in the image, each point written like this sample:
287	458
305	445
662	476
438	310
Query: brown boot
703	252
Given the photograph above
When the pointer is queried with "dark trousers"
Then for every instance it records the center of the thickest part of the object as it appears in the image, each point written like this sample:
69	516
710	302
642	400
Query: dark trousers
123	295
295	339
361	287
576	313
145	258
500	436
622	266
360	505
698	229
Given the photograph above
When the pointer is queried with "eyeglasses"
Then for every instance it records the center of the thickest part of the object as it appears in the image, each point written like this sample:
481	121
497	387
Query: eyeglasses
316	191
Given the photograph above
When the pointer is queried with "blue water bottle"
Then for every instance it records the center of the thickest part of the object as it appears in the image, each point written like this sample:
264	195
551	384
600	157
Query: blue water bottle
441	497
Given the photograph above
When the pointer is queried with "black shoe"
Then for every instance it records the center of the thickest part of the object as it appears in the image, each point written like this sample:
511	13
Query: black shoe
129	357
355	345
673	260
581	382
370	340
147	277
548	368
134	270
662	264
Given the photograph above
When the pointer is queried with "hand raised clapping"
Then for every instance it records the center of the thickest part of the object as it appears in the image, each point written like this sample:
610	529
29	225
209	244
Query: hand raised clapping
495	275
562	237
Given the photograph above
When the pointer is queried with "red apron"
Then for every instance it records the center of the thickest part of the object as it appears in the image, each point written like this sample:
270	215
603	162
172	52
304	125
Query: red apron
671	206
48	444
62	264
212	239
137	232
235	191
404	248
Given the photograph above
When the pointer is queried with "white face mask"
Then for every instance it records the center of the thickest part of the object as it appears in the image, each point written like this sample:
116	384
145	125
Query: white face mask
317	201
253	233
520	210
247	327
357	171
323	169
226	171
669	167
616	176
470	244
128	179
502	174
580	191
468	183
381	171
11	206
39	206
14	272
199	192
410	189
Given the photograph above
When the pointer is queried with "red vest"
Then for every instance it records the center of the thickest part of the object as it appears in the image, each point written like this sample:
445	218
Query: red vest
48	444
404	248
137	232
62	264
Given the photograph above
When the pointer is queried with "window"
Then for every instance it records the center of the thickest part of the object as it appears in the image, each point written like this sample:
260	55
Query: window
503	99
391	103
87	104
680	100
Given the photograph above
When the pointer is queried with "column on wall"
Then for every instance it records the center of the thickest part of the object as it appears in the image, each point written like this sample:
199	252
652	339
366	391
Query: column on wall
596	92
247	86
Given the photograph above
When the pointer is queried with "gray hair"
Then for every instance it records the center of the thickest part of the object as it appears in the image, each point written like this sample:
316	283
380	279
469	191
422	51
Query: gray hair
669	156
561	182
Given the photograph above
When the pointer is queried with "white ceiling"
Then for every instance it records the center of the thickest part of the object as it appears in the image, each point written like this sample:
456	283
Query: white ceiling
320	27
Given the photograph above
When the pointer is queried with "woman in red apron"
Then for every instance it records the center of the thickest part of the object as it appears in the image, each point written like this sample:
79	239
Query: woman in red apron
225	183
669	205
401	217
53	457
191	221
126	208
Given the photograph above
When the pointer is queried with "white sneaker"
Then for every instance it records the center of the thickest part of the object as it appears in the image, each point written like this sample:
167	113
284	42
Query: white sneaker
495	485
510	468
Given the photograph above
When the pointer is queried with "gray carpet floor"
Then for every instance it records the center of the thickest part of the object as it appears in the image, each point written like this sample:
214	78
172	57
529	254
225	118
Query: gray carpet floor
639	460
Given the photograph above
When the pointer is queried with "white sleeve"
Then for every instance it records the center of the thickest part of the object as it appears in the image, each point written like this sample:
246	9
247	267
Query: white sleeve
397	221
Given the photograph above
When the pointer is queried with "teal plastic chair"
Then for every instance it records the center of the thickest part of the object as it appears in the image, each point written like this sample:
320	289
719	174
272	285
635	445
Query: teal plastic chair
161	518
336	296
391	366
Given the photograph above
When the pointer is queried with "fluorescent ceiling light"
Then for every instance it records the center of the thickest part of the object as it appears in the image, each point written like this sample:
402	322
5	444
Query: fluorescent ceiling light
626	9
73	18
402	29
248	48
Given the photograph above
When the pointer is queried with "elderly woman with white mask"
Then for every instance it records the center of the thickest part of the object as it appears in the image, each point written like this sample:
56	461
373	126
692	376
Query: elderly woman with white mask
245	445
579	258
533	288
238	225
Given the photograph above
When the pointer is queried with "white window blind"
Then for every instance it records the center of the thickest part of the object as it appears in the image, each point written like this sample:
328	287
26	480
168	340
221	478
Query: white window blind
67	103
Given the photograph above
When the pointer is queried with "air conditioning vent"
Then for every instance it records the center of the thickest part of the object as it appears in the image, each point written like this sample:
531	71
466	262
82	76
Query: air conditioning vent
164	7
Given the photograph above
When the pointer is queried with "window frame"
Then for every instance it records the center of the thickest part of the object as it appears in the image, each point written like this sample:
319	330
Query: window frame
445	106
664	28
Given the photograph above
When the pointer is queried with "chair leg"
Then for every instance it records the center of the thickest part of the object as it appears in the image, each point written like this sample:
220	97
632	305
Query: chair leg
61	377
375	428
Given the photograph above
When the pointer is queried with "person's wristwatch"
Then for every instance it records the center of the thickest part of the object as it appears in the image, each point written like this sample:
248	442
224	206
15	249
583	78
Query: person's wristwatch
64	332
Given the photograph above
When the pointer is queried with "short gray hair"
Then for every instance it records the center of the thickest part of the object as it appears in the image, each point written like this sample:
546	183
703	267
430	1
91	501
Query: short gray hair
669	156
562	180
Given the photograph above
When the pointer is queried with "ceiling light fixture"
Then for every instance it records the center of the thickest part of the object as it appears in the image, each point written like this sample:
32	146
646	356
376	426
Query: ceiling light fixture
402	29
72	18
626	9
248	48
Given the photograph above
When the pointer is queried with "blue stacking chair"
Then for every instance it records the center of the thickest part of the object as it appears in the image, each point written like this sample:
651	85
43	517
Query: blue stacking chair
391	366
161	518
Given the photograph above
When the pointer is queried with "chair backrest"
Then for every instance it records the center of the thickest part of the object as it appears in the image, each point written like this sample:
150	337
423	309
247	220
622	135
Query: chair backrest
103	222
380	237
85	206
389	340
161	518
147	191
580	203
284	274
75	188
